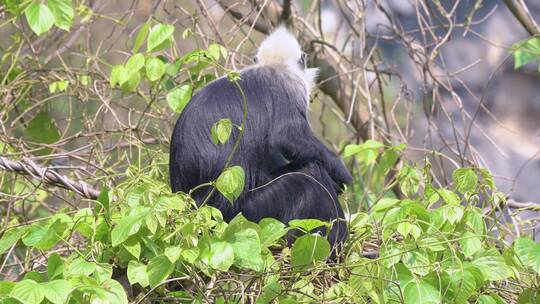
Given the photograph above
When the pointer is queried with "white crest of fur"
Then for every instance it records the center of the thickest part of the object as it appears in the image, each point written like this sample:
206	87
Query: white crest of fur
282	48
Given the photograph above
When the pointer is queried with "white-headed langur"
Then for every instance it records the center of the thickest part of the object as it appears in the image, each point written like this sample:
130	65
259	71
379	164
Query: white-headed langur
289	173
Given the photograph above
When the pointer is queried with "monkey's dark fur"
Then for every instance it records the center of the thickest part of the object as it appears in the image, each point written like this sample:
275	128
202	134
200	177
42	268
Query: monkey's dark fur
289	173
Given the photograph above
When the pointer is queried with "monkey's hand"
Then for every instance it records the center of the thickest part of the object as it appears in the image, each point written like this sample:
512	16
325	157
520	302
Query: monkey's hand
339	173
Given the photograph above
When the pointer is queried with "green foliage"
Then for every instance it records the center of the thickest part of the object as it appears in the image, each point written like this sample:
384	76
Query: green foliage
528	253
62	11
179	97
42	129
465	180
39	17
230	182
309	249
526	52
221	131
443	253
434	243
160	36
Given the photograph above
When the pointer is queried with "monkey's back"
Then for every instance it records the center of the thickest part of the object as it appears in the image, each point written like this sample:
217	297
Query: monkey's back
272	95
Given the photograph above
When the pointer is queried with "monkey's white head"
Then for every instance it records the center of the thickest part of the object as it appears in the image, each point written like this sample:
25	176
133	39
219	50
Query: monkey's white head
282	48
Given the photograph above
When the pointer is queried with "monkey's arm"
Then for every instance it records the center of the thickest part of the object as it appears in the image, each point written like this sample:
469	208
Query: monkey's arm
298	144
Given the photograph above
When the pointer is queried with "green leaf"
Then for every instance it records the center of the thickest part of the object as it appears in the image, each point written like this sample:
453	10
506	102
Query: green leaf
39	17
155	68
79	266
134	64
84	80
55	266
42	129
62	11
430	194
159	34
58	86
485	299
119	74
529	296
372	144
307	225
136	273
230	182
470	243
103	200
139	40
309	249
465	180
116	289
247	249
404	228
190	255
488	178
526	51
34	276
474	219
453	213
6	287
528	252
409	180
404	275
179	97
103	272
151	222
44	237
221	131
215	51
221	256
351	150
57	291
270	292
384	204
132	246
271	231
462	286
449	197
126	227
159	268
492	265
84	222
10	237
173	253
28	291
421	292
132	83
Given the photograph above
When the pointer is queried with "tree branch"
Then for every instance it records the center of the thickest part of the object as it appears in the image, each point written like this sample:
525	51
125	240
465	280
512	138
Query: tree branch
521	12
48	176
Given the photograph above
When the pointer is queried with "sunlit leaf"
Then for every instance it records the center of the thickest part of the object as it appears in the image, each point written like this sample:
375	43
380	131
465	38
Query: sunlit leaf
28	291
309	249
39	17
62	11
155	68
57	291
221	256
179	97
230	182
159	34
221	131
139	40
465	180
159	268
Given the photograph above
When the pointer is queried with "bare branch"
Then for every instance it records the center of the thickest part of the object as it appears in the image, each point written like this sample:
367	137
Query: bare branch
521	12
48	176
